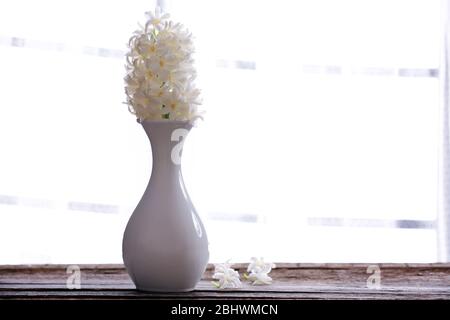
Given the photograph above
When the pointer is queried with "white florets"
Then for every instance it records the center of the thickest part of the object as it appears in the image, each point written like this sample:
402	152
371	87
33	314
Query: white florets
160	71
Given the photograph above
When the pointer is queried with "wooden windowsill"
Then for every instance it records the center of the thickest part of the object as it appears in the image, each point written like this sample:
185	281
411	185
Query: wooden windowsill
291	281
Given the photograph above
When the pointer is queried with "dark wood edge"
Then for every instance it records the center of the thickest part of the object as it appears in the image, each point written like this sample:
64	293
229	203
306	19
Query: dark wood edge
244	266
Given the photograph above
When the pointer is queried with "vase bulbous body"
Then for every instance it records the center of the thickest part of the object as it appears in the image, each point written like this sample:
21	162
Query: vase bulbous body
165	247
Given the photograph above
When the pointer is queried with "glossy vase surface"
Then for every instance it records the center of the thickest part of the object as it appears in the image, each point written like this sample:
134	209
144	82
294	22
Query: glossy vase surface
165	247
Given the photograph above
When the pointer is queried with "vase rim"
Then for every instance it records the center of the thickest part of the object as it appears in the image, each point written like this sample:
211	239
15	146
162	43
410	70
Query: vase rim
163	121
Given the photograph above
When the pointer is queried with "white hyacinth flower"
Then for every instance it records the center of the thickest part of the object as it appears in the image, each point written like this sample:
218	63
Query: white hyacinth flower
259	271
257	265
159	83
260	278
156	19
228	277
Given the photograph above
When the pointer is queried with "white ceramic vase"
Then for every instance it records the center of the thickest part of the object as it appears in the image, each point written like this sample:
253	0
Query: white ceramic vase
165	247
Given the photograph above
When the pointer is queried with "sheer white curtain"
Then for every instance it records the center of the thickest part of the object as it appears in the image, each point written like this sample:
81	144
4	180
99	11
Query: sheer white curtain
333	108
319	142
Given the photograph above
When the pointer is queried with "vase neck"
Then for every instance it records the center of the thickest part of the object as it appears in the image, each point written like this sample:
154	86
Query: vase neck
167	139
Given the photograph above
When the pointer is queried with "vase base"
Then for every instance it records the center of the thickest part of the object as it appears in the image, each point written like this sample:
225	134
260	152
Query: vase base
163	290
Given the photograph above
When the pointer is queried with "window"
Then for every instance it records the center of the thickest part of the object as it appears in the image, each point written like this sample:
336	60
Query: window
320	143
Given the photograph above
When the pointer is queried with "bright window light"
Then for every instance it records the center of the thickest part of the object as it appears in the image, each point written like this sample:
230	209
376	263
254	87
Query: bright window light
320	142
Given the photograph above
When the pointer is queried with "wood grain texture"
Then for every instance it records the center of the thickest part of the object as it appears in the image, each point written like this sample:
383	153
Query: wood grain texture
291	281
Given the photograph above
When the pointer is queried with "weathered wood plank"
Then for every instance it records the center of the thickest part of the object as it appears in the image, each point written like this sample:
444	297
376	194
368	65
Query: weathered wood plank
130	294
291	281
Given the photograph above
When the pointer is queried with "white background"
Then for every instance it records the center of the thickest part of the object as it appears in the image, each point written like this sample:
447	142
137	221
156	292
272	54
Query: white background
320	123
